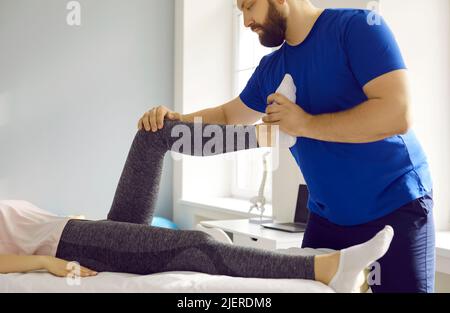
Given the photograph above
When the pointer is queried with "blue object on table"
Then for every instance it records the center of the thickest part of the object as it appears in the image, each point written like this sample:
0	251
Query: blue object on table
163	223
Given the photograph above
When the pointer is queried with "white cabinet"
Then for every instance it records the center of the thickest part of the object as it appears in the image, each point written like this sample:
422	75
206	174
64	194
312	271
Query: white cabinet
246	234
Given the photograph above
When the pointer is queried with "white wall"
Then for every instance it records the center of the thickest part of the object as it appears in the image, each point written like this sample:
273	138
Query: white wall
70	98
422	29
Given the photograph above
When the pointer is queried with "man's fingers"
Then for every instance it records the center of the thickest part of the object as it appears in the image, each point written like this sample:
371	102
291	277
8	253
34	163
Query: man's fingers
154	119
278	98
160	117
272	118
273	108
146	122
177	116
153	124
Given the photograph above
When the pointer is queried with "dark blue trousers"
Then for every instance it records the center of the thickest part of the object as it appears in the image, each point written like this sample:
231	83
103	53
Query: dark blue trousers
409	265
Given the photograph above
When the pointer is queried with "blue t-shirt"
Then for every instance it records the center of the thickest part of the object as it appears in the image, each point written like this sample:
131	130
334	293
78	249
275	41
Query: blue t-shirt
349	184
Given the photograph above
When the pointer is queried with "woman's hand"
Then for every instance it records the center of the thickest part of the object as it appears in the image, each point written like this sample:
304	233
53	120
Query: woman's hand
153	120
62	268
30	263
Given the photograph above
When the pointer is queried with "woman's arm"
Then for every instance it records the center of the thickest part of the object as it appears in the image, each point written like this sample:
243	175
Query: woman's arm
24	264
20	264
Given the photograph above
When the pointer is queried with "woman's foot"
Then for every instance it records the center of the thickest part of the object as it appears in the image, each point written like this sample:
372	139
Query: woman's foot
344	270
270	136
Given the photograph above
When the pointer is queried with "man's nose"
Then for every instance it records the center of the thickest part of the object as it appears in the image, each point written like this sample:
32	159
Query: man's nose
248	22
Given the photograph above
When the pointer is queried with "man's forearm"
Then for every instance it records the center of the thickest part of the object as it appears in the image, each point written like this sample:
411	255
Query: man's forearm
209	116
371	121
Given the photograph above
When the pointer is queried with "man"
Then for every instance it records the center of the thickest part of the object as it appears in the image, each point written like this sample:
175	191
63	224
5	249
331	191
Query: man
363	165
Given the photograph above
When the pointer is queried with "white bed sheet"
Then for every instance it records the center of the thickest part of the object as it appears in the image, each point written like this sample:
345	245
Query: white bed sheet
170	282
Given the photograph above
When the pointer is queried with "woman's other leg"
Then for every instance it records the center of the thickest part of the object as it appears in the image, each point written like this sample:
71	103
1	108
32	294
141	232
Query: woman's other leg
137	191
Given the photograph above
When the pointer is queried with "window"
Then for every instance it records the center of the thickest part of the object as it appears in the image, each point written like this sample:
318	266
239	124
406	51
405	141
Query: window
248	165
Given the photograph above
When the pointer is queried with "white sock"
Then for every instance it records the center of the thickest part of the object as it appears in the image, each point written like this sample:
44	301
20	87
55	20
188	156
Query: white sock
285	140
350	276
288	89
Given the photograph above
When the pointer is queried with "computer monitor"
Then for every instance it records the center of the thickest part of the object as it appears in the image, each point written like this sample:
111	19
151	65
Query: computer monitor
301	214
301	210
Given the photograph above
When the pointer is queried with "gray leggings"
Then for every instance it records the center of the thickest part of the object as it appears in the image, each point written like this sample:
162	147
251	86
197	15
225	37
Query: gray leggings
126	243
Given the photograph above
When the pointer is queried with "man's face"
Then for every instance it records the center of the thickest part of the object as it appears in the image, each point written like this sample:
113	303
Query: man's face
263	17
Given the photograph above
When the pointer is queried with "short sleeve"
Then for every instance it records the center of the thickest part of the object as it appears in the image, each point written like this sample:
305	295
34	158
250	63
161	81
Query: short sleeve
371	47
252	94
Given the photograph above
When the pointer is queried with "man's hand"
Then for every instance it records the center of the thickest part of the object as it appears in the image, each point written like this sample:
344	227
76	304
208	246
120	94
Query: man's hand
153	120
291	118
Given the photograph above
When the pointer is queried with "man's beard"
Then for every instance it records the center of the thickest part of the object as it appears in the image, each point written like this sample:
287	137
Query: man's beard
274	29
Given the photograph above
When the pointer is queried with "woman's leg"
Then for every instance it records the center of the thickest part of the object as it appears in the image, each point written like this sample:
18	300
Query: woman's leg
107	246
140	249
137	191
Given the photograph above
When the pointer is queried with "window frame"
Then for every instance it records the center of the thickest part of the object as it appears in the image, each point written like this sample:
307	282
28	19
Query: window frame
245	156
